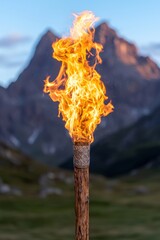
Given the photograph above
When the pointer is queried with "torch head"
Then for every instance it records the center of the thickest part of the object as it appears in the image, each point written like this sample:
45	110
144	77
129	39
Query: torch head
78	87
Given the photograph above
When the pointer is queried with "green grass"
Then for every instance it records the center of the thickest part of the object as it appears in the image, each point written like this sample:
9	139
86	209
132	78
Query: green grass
116	211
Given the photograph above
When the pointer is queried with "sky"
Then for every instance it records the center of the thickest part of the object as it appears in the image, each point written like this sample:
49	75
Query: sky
22	23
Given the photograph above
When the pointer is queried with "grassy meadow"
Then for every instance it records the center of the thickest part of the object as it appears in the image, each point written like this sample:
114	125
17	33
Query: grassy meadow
118	209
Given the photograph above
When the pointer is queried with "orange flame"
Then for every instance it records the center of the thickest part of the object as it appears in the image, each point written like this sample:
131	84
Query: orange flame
78	87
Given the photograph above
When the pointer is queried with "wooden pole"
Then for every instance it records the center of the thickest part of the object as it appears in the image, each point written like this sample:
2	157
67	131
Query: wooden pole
81	179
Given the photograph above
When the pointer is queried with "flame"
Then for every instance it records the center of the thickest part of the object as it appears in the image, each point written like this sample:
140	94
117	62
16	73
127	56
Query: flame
78	87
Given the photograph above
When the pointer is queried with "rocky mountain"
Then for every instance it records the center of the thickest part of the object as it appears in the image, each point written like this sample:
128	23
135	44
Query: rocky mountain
127	150
29	118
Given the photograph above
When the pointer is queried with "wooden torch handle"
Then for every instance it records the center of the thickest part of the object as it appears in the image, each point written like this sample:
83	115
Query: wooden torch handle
81	178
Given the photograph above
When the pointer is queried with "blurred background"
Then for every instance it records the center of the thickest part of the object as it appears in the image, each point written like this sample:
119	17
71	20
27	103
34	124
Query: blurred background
36	175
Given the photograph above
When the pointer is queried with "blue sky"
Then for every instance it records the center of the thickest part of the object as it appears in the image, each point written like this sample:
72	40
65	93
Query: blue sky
23	22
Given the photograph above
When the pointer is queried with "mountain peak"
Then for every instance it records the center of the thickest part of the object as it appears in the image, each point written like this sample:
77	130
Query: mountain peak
104	32
49	34
123	55
47	39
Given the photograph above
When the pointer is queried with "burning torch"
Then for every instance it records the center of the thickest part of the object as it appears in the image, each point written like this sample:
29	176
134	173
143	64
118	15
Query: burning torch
81	95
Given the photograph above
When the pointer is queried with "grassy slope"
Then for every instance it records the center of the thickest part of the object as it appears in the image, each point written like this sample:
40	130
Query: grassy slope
116	212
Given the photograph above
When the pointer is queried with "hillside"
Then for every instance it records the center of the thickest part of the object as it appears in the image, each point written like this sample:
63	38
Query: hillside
23	177
19	174
131	148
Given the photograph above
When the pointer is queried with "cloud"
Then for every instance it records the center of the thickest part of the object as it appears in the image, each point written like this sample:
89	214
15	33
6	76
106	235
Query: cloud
13	64
10	61
151	49
155	46
13	40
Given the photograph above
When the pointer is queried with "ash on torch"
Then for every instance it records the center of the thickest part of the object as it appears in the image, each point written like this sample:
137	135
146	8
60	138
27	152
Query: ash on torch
81	161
